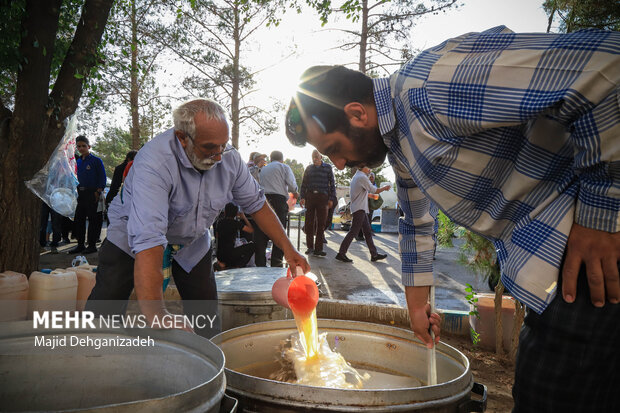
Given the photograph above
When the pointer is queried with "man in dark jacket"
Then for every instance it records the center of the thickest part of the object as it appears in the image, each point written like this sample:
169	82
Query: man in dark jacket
317	192
117	178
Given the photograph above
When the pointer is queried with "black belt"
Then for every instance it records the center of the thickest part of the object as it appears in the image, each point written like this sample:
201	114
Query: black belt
277	196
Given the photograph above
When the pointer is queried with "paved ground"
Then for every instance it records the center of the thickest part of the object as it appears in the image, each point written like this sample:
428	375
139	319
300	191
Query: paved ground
363	280
380	282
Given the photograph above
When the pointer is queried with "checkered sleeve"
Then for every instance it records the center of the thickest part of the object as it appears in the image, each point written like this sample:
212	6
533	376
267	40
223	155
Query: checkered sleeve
596	136
416	231
501	80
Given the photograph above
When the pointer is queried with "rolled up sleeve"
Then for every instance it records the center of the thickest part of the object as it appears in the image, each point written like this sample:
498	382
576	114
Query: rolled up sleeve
369	186
416	231
148	216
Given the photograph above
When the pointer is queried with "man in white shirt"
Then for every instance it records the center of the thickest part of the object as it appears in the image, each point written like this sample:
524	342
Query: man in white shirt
360	187
277	180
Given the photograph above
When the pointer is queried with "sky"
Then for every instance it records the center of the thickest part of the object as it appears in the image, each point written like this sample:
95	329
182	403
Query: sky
285	51
315	44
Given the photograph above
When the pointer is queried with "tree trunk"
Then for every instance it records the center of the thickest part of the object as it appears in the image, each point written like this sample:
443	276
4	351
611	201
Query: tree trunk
363	37
19	208
133	94
36	125
516	328
236	83
551	15
499	330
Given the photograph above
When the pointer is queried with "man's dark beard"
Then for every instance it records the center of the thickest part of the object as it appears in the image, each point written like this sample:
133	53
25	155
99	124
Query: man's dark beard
369	147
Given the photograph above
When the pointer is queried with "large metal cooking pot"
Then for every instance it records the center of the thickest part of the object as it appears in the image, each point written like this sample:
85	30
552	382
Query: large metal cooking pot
181	372
251	352
244	296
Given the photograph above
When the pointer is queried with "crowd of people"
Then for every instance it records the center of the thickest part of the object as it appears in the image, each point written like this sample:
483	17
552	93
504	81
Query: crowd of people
240	242
237	236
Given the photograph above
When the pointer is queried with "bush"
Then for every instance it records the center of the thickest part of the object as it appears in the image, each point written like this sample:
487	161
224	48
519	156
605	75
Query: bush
446	230
478	255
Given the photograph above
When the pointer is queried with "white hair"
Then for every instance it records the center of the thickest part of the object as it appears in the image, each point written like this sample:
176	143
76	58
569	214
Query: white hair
183	116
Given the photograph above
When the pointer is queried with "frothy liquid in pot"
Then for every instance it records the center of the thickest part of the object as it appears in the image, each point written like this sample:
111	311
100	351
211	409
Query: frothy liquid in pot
326	369
314	362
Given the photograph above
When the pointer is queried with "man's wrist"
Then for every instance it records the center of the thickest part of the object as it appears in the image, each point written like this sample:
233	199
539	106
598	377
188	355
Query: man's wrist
417	297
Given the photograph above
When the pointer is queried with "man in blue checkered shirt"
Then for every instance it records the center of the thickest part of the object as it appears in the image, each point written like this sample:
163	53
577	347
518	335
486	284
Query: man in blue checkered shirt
517	137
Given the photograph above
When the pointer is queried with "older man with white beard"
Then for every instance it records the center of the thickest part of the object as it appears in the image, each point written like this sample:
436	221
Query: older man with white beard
178	184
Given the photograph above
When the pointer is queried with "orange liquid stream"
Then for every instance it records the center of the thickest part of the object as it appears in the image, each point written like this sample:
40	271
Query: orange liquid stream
303	296
315	363
308	333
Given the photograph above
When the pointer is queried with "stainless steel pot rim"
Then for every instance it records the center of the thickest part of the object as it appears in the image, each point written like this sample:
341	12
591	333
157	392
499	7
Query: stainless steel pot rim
426	404
23	329
327	324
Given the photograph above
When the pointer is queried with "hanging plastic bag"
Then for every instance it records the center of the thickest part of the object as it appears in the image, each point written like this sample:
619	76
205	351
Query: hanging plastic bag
56	183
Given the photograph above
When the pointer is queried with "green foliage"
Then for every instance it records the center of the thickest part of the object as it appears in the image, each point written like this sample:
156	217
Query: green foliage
471	298
446	231
478	255
10	58
575	15
343	177
132	29
298	171
112	148
12	13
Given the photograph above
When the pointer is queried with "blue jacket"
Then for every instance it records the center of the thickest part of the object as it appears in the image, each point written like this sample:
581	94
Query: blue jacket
91	173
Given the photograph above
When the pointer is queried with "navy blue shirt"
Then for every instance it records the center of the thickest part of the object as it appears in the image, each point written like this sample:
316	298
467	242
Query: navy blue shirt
90	172
320	179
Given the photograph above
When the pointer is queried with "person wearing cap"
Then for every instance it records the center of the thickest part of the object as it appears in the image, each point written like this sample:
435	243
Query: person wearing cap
251	159
516	137
179	182
258	161
318	189
360	188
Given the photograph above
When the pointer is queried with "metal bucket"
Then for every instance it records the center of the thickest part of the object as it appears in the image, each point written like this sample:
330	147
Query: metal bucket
244	296
180	372
251	352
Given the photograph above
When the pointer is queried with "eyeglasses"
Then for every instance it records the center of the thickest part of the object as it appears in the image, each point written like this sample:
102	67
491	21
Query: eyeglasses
295	128
223	149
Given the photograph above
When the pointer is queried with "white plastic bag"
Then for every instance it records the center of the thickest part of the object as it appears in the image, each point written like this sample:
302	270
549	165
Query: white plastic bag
56	183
